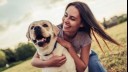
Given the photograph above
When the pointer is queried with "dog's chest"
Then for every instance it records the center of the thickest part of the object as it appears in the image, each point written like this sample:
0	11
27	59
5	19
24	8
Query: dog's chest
57	51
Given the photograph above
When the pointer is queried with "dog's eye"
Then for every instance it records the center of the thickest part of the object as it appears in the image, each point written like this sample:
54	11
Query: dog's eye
32	27
34	41
45	25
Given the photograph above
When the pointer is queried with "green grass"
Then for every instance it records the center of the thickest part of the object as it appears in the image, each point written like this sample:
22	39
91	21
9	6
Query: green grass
115	61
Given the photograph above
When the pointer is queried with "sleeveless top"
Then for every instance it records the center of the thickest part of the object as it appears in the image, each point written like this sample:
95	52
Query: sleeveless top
80	40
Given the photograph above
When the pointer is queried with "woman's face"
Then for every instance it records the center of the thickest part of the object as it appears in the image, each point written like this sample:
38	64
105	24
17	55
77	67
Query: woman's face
71	20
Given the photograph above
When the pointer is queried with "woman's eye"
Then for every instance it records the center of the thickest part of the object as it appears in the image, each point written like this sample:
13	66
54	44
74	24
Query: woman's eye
32	27
45	25
65	15
72	18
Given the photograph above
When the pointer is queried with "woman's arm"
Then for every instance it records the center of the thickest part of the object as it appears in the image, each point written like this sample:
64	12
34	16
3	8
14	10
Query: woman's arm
82	61
84	55
55	61
37	62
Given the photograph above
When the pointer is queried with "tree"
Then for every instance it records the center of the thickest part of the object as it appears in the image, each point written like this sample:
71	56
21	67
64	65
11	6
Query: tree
2	59
10	55
25	51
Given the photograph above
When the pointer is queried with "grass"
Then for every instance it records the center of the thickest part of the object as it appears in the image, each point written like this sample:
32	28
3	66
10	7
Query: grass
23	67
114	61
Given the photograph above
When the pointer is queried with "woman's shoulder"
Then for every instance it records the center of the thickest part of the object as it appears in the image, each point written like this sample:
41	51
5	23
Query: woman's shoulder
84	38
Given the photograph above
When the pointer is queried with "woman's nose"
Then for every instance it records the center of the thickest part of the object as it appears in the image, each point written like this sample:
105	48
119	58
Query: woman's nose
66	20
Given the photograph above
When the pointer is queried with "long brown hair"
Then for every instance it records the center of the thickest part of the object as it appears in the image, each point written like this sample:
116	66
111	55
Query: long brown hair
89	21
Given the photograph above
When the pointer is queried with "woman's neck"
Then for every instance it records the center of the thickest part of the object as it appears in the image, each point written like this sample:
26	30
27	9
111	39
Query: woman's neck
69	36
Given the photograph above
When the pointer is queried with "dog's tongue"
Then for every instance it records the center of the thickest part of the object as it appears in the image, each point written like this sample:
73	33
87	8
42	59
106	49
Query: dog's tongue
43	39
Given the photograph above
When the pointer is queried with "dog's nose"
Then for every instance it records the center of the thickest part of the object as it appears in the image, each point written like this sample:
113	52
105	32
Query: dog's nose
37	28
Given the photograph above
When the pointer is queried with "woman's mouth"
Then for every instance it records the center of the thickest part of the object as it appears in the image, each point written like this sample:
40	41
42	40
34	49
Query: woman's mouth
66	26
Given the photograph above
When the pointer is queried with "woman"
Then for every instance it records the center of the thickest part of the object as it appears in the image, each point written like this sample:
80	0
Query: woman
75	36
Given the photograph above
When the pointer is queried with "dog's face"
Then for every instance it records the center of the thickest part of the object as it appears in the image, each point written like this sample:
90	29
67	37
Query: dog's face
41	32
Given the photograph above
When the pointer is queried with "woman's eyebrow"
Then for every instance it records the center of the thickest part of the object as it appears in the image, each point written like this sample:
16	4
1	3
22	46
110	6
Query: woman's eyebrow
70	15
66	13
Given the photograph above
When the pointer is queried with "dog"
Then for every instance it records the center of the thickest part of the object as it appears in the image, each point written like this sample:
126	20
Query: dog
43	34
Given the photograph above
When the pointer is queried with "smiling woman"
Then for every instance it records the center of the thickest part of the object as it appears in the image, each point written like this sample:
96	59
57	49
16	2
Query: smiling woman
11	10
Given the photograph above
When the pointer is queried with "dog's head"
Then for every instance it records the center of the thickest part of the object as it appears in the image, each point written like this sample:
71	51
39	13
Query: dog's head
41	32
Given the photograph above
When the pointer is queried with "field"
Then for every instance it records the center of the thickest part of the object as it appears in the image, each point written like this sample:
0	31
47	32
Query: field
114	60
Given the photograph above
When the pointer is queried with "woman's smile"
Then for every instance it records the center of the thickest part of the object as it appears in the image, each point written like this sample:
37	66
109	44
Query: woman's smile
66	27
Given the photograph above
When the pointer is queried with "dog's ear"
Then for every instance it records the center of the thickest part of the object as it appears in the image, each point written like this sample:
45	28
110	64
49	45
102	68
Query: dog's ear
28	34
55	30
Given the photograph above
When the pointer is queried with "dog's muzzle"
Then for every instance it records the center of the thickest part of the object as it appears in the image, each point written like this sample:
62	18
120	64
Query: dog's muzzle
40	39
37	31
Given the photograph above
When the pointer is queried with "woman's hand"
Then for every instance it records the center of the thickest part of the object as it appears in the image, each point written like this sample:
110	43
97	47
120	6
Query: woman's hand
64	43
57	61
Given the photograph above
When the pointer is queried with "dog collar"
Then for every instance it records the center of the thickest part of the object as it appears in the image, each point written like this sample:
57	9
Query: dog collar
52	50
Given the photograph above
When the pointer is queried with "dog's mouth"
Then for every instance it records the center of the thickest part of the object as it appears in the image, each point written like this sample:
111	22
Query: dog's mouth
41	41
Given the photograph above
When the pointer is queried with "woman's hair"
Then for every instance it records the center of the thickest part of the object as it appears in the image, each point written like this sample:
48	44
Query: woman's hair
89	21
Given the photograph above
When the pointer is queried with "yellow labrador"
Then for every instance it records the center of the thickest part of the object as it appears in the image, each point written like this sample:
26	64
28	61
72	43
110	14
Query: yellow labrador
43	34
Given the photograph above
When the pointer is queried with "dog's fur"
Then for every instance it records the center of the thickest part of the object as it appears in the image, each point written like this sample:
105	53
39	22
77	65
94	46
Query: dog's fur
44	34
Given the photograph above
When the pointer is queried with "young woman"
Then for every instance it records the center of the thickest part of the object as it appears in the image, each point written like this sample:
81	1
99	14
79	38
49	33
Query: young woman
75	36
